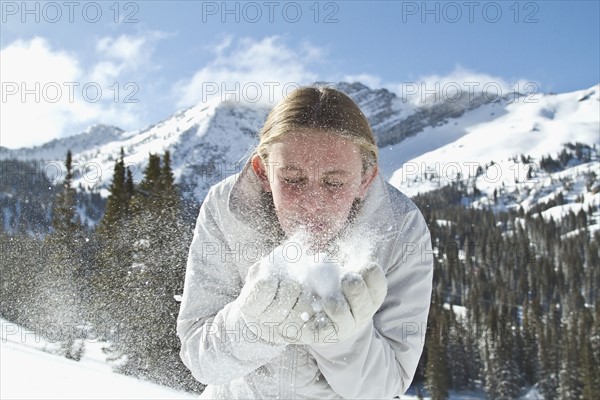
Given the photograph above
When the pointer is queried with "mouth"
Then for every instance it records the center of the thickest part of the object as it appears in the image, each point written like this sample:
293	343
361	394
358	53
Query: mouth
313	226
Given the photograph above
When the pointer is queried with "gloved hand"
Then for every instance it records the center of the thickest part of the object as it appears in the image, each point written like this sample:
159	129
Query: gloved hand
363	294
273	305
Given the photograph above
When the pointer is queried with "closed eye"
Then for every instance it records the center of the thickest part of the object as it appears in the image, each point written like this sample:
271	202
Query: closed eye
334	184
294	181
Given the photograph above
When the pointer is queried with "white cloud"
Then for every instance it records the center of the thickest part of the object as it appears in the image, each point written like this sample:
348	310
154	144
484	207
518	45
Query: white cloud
459	82
58	105
57	64
435	88
124	54
123	47
250	71
106	72
35	100
372	81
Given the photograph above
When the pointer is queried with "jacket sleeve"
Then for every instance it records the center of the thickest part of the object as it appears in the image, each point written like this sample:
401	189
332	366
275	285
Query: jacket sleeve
216	345
380	360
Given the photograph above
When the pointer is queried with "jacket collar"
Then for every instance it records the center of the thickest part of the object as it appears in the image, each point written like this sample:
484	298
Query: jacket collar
251	205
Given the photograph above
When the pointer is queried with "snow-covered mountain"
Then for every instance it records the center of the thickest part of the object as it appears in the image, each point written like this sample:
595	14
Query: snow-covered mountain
422	146
533	125
203	140
498	150
94	136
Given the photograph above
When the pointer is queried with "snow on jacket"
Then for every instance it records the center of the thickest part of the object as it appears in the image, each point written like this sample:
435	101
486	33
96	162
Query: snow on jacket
233	231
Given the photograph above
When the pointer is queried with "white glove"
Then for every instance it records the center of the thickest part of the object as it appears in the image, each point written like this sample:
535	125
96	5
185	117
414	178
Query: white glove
363	294
273	305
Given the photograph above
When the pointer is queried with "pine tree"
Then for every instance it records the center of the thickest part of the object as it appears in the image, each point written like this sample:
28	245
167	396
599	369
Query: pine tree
492	354
588	364
112	247
460	355
64	218
570	385
20	268
530	339
155	275
152	183
436	370
117	206
167	181
548	359
62	280
129	185
509	375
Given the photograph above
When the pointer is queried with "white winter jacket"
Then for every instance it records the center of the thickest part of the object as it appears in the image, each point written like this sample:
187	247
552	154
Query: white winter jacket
233	231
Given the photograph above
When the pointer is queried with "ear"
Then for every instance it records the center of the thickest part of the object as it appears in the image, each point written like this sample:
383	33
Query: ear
367	179
261	172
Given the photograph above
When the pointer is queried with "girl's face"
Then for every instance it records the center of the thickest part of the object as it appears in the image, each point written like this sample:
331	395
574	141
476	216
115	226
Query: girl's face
314	178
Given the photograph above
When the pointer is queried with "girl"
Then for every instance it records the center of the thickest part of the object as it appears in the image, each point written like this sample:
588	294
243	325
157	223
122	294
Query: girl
249	327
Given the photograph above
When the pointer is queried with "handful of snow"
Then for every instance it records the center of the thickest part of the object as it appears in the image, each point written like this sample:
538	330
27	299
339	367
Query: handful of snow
321	276
319	272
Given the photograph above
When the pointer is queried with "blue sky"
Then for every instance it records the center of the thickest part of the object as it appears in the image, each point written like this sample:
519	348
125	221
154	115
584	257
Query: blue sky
152	58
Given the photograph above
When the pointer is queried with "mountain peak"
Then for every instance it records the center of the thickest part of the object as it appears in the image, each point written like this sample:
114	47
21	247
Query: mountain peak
94	136
102	129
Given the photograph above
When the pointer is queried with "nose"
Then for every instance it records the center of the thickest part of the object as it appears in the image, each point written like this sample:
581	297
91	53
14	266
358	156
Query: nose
315	197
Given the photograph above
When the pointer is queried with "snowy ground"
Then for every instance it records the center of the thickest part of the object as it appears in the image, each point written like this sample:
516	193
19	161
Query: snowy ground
29	372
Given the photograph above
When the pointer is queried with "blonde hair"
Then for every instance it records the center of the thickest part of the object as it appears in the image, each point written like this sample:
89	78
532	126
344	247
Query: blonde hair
319	109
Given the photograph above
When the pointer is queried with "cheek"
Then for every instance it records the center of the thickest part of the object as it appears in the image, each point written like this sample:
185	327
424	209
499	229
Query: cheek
287	208
284	200
342	202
